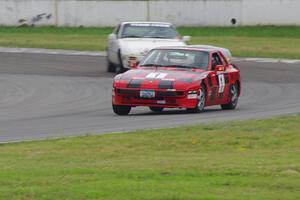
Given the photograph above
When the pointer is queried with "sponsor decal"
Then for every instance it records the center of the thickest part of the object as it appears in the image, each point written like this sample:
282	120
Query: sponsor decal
221	83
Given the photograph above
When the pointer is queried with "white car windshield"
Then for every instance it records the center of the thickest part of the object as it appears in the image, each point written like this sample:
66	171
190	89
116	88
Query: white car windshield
149	30
177	58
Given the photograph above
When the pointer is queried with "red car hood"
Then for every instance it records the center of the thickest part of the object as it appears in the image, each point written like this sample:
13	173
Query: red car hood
160	78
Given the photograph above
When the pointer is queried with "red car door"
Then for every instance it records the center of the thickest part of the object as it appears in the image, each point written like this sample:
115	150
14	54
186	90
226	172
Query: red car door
218	80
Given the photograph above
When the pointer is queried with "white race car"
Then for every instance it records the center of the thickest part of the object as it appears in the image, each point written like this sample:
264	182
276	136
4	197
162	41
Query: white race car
131	41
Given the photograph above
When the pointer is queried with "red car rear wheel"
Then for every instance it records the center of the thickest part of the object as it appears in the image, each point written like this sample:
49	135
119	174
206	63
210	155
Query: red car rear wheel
233	95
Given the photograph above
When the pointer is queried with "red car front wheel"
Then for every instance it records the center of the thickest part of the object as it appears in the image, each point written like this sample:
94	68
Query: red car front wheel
121	110
200	103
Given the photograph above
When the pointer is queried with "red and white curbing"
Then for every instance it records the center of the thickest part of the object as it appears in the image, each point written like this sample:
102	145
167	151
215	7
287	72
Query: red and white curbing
102	53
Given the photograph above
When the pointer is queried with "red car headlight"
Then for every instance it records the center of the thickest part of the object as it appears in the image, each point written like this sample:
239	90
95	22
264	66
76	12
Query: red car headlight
193	94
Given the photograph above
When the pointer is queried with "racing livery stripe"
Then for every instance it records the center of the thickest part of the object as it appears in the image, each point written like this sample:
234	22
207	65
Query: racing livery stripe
135	83
221	95
217	80
187	80
213	93
226	77
209	81
165	84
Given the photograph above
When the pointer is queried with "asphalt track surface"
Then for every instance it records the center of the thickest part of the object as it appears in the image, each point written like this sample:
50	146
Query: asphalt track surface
46	96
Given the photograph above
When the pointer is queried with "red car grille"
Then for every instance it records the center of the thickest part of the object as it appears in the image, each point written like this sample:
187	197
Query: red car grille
128	92
158	94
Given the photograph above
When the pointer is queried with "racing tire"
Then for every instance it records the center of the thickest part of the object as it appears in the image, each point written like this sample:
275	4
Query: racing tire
110	66
119	67
233	95
156	109
121	110
200	103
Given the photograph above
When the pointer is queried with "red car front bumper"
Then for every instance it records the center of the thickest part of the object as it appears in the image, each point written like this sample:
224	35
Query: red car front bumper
163	98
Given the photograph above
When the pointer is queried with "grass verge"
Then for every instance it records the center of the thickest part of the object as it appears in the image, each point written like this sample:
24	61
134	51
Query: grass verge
256	159
257	41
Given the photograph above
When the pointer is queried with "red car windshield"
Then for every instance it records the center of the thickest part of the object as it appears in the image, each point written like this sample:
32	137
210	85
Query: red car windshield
177	58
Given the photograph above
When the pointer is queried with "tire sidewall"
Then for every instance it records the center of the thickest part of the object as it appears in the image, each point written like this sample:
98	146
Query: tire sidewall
235	102
201	97
198	109
120	67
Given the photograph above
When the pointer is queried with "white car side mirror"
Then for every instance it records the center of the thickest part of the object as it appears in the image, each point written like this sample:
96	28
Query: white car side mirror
186	38
112	36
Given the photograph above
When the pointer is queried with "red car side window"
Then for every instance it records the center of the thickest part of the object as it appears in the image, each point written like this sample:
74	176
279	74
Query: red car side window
215	60
222	59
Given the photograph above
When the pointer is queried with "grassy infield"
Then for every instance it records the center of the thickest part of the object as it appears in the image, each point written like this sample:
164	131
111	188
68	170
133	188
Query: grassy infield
256	159
265	41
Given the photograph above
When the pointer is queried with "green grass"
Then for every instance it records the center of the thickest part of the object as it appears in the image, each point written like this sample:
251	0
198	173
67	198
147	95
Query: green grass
257	41
256	159
92	39
265	41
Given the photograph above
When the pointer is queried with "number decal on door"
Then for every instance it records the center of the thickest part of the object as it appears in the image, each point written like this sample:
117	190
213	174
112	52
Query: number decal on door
221	83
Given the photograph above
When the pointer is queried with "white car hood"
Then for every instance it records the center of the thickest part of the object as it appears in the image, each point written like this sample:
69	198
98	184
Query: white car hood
226	52
141	46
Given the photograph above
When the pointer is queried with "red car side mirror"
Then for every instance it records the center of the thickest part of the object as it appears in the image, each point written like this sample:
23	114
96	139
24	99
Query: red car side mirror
220	68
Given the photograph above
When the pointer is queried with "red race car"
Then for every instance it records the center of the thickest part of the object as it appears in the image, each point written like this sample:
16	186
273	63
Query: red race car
178	77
